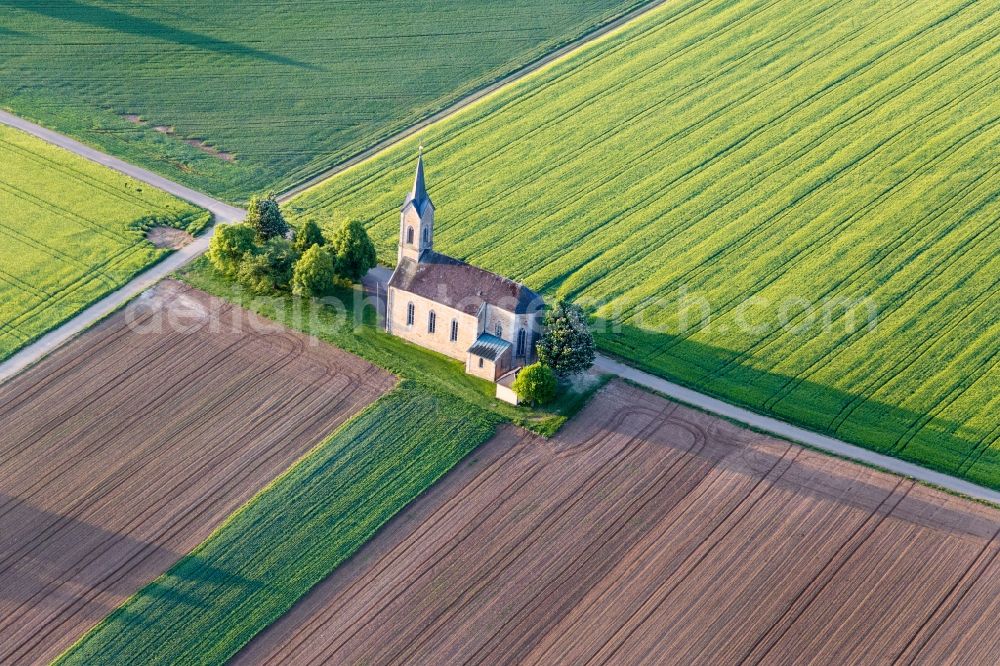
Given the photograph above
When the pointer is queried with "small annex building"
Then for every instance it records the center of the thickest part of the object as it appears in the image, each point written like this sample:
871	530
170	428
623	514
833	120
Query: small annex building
489	322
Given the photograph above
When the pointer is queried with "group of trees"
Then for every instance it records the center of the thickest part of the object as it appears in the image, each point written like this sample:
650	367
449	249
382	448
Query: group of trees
259	254
565	349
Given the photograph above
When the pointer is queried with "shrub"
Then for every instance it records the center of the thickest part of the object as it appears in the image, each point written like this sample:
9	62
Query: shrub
567	346
308	236
535	384
265	218
314	273
353	251
229	245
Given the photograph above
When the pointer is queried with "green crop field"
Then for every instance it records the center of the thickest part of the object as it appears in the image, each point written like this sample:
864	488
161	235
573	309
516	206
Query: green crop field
70	232
782	166
232	97
291	535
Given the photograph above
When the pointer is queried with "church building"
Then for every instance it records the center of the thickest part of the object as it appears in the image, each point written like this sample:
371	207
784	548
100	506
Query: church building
438	302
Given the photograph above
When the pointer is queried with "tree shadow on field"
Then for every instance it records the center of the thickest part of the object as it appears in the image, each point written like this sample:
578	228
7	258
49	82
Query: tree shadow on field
875	425
60	573
186	583
109	19
47	558
192	585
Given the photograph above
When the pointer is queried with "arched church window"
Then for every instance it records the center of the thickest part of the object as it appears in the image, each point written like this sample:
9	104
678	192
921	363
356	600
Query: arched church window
454	330
521	341
409	235
410	312
426	235
499	330
432	319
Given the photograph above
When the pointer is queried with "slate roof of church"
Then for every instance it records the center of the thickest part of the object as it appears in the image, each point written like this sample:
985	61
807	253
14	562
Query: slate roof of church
462	286
489	346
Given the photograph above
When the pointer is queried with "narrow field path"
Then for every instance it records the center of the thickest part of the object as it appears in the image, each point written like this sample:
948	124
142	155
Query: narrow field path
223	212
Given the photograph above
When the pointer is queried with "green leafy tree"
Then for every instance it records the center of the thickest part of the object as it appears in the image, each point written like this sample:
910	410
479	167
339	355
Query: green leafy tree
264	216
535	384
255	274
309	235
270	268
354	252
281	256
567	346
229	245
314	273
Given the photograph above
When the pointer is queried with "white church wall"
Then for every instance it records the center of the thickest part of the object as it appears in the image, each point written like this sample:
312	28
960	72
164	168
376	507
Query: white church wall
440	339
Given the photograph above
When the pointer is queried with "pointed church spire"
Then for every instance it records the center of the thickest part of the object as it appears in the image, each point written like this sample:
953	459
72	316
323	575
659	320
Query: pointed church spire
419	188
418	195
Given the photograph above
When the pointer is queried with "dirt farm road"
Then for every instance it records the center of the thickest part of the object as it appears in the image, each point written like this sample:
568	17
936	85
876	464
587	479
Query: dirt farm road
222	211
226	213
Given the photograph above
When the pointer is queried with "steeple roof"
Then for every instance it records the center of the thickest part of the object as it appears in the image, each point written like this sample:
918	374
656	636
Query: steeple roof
418	195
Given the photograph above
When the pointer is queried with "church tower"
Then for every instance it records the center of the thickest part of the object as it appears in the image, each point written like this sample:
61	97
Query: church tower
416	218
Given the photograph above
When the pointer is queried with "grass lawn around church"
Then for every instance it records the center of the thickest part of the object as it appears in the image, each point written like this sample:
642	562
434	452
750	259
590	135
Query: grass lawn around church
352	326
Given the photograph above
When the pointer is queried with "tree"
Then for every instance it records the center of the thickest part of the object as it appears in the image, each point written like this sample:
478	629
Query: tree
535	384
314	272
270	268
308	236
281	257
255	274
567	345
353	251
265	218
229	245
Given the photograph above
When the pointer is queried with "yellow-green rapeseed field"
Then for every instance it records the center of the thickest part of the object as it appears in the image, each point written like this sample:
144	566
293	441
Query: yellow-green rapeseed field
71	231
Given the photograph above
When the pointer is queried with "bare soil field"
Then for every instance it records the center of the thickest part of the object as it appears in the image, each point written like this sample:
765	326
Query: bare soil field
127	447
647	532
168	237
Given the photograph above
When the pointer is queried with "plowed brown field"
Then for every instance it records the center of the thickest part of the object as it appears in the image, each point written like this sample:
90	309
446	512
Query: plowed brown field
126	448
647	532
